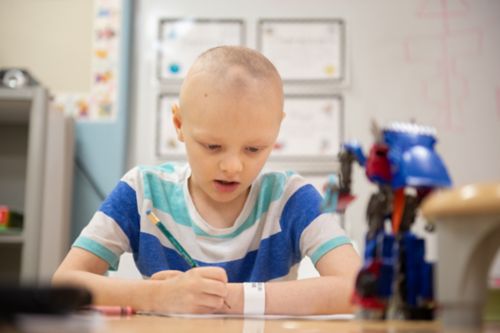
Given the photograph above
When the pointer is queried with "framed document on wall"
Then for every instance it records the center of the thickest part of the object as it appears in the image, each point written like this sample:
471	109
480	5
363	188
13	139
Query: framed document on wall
304	49
182	40
312	128
167	144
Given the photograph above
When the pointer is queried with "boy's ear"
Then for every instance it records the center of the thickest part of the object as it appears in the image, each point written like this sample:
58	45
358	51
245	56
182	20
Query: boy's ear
177	120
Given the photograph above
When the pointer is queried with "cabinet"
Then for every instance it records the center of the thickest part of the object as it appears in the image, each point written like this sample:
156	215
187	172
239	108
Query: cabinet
36	166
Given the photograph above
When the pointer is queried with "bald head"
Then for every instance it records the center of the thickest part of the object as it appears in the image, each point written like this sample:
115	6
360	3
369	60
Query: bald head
219	59
231	70
232	99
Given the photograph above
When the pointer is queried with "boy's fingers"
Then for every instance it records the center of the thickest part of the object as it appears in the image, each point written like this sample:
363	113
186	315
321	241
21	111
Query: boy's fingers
212	272
215	288
165	275
211	302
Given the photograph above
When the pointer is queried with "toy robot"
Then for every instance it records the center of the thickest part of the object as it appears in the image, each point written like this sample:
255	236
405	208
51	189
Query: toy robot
395	282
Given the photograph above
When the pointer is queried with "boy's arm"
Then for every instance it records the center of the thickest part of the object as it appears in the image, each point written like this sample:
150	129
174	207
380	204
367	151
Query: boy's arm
200	290
327	294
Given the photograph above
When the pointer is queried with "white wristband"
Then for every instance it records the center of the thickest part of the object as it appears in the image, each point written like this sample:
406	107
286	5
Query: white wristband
254	298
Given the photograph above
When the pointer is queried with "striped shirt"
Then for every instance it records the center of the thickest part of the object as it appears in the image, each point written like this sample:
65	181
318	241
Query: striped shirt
280	223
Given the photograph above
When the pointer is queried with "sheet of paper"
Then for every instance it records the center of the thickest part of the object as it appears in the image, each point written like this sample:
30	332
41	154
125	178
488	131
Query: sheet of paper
304	49
322	113
267	317
167	144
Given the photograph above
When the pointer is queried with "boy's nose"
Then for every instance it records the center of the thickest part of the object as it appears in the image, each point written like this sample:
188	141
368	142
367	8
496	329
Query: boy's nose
231	164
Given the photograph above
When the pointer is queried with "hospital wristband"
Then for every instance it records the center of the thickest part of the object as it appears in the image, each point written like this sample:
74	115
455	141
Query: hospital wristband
254	298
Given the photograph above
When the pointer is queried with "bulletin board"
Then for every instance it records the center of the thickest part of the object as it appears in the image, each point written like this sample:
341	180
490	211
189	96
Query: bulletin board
304	49
312	128
182	40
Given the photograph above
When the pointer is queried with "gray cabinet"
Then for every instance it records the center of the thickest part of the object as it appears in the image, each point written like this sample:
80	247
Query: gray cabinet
36	166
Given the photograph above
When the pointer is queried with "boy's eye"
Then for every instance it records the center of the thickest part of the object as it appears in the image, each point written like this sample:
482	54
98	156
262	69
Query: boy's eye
253	149
213	147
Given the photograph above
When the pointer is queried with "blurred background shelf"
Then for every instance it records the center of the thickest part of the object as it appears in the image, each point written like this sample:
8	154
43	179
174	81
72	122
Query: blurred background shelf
11	235
36	168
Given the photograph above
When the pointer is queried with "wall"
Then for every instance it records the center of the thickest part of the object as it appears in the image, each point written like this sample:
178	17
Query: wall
51	38
436	62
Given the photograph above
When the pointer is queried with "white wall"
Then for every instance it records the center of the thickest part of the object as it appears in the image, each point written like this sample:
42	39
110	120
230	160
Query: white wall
406	60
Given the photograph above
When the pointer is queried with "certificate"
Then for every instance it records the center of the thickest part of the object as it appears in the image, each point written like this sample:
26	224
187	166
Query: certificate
313	127
181	41
167	144
304	50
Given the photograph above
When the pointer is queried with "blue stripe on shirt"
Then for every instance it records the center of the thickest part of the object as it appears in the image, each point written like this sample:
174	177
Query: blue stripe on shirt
121	206
297	215
254	266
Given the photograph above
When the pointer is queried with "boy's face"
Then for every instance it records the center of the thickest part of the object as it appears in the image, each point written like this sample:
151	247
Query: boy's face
229	129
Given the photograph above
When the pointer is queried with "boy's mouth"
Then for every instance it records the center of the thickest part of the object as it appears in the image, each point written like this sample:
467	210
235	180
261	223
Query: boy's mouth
225	186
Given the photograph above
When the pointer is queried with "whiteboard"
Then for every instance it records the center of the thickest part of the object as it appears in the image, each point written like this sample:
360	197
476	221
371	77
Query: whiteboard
181	41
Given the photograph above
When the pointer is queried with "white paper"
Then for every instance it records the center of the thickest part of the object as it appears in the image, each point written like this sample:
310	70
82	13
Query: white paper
312	127
267	317
304	50
182	41
167	144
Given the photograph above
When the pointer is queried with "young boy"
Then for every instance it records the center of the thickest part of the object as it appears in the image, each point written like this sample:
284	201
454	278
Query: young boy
239	225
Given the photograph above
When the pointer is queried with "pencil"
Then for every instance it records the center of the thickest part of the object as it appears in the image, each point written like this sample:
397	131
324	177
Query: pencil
156	221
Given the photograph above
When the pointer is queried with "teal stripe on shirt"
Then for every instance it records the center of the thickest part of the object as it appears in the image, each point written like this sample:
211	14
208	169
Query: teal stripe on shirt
166	167
327	246
97	249
168	197
271	189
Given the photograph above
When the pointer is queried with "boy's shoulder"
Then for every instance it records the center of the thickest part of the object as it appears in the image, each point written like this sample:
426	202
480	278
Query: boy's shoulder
284	189
280	181
170	171
278	176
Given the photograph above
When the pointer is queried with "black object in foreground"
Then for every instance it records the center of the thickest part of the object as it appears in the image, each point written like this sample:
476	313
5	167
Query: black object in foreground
41	300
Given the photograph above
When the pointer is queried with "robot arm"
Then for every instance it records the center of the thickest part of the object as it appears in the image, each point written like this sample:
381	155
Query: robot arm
350	152
338	189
